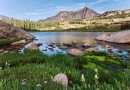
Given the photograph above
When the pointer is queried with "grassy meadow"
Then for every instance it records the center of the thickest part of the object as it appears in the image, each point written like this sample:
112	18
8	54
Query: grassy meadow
89	72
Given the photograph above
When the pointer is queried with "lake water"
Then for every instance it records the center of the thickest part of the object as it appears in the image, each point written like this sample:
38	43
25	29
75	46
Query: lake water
80	37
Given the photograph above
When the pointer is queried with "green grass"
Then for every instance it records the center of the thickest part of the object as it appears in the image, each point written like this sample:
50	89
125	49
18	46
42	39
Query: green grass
8	42
37	68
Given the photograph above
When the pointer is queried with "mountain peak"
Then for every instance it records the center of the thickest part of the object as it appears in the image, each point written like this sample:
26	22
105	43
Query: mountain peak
85	8
73	15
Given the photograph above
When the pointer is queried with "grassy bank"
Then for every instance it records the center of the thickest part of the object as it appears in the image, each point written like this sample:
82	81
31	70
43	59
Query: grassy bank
8	42
96	29
89	72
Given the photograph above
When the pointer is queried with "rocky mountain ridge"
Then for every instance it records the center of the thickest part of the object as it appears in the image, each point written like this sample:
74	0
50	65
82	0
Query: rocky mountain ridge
72	15
116	12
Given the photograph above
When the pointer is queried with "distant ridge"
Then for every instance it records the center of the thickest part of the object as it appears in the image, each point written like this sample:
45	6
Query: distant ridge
72	15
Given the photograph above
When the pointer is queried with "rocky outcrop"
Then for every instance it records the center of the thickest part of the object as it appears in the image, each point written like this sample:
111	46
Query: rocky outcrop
8	31
32	46
114	13
75	52
73	15
119	37
102	36
19	42
62	79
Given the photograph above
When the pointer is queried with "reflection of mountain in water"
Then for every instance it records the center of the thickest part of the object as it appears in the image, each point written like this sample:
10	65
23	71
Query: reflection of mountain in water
114	45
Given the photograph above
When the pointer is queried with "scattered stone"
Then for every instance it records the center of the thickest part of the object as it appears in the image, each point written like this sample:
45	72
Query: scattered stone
91	49
50	48
68	44
32	46
62	79
45	82
35	39
38	85
87	44
74	42
19	42
51	44
44	49
24	84
24	80
63	47
58	44
75	52
39	44
110	51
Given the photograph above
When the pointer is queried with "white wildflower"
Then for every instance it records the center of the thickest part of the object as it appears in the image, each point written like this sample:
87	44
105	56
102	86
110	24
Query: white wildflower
96	70
82	78
96	77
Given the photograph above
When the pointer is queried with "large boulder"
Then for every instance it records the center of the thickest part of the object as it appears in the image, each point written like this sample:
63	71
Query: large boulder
75	52
61	79
32	46
119	37
8	31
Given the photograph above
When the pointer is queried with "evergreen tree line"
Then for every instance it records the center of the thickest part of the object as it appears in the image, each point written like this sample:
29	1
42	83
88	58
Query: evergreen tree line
125	25
26	24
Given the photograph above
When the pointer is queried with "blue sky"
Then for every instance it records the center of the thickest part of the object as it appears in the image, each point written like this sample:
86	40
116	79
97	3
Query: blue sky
41	9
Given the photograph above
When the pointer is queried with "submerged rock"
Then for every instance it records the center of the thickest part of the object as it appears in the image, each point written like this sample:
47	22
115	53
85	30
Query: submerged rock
75	52
119	37
32	46
44	49
62	79
50	48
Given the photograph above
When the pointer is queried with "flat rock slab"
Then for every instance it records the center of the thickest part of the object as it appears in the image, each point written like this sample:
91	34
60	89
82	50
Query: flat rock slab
19	42
119	37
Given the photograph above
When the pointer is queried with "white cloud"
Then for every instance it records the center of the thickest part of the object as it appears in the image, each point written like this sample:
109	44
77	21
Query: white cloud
33	14
41	10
